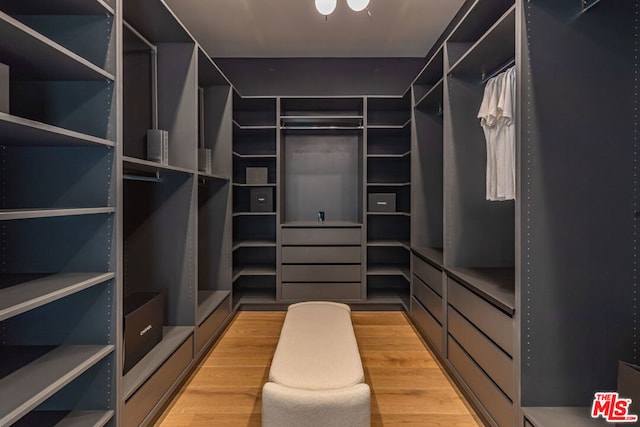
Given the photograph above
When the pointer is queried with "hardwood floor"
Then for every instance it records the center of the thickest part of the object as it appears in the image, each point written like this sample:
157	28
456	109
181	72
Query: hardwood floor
408	386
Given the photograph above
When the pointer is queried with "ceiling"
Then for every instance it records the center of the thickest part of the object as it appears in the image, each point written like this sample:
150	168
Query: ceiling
293	28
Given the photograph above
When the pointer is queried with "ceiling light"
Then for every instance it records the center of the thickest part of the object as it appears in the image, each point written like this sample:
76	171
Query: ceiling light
326	7
357	5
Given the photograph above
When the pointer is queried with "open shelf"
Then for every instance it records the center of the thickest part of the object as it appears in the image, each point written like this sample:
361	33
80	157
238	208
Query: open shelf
24	132
208	302
389	270
433	99
432	72
236	214
496	285
562	416
321	122
389	213
66	418
254	156
213	177
29	53
15	214
133	165
24	389
388	184
250	128
155	21
55	7
236	184
253	271
491	52
26	292
388	243
389	156
253	244
172	338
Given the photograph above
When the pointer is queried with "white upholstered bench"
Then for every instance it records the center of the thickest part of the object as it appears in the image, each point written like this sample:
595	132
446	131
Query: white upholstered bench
316	377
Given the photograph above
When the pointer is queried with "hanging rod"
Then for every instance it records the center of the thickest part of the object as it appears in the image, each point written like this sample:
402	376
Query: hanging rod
510	63
143	178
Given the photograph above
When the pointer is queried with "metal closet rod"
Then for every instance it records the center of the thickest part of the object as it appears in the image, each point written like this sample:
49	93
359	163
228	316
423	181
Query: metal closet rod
143	178
510	63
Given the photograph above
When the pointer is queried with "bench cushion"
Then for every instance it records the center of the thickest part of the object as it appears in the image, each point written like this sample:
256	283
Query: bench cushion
311	329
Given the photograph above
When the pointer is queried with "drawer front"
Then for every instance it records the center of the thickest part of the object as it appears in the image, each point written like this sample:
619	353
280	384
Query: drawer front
431	300
427	324
321	291
494	323
494	401
321	273
428	274
205	331
321	254
148	396
321	236
486	354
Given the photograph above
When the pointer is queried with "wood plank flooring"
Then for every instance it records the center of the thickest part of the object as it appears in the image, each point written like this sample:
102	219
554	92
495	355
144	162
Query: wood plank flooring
408	386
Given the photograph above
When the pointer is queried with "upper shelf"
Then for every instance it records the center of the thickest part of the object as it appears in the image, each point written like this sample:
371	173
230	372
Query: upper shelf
135	165
477	19
493	50
25	292
432	99
18	214
19	131
322	122
155	21
55	7
208	72
33	55
432	71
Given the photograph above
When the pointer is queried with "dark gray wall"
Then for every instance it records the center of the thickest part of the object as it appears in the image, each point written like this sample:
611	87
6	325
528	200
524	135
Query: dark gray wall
320	76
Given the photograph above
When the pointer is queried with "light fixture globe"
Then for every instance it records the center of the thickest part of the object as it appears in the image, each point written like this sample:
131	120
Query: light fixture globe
357	5
326	7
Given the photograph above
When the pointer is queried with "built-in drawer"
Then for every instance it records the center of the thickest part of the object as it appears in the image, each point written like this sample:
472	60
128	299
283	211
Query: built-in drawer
321	254
496	324
148	396
495	362
494	401
428	274
427	324
321	291
205	331
321	273
431	300
321	236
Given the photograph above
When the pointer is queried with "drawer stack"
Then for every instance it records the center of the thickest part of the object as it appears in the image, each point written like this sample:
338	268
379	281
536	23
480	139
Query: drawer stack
427	308
321	262
480	347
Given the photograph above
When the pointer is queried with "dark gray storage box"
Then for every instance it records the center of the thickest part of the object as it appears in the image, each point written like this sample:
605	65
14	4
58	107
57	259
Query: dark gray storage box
262	199
143	321
382	202
257	175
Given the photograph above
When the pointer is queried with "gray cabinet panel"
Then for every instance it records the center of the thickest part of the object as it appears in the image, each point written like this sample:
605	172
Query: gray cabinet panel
493	322
427	324
496	403
321	291
428	274
147	397
321	273
206	330
495	362
431	300
321	236
322	254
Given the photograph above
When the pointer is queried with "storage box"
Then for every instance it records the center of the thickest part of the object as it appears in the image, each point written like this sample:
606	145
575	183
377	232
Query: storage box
382	202
262	199
204	160
629	386
158	146
143	321
4	88
257	175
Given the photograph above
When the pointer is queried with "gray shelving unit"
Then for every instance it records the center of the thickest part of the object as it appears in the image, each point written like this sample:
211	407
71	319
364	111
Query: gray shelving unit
58	213
254	233
525	264
177	236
